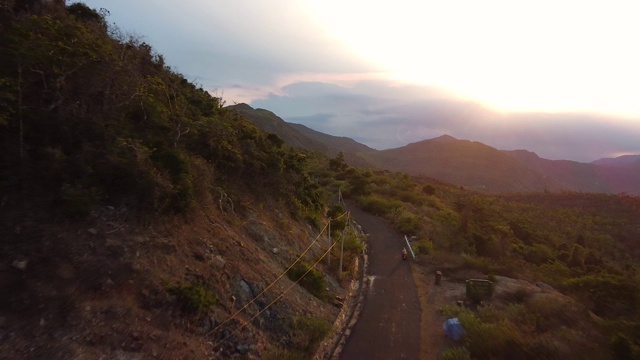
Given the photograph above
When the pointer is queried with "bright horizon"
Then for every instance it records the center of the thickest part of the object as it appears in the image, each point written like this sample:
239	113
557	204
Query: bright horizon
546	56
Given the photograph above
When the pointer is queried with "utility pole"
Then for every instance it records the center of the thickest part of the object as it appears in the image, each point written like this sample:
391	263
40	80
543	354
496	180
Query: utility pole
342	245
329	254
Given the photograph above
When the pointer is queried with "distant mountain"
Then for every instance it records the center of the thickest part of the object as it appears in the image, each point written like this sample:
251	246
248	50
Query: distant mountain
298	135
269	122
470	164
624	160
340	143
604	175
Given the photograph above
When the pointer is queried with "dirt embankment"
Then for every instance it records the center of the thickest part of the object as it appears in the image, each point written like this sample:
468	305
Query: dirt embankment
97	289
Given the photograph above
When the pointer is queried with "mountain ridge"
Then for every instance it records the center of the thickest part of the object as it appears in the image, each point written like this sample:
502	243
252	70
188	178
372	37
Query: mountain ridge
466	163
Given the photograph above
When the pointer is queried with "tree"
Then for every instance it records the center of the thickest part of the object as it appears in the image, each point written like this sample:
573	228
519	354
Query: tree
338	163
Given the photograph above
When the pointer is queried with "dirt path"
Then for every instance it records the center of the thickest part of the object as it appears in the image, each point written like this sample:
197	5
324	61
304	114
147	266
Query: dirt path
389	324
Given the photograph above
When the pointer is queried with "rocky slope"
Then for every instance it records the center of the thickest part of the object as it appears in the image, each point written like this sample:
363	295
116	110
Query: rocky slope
98	288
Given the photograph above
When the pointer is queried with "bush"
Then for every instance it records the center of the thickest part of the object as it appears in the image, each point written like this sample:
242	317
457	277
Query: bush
408	223
456	353
310	279
608	295
500	340
424	247
194	298
378	206
309	332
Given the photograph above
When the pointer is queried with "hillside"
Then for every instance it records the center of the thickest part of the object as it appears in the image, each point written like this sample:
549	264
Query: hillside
297	135
98	287
269	122
141	219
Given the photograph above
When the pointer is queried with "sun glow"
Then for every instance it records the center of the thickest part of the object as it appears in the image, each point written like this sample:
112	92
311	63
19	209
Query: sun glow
538	56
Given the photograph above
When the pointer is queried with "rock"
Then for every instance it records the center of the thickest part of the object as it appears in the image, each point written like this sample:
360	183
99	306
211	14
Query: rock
246	288
243	348
219	262
20	264
93	231
275	250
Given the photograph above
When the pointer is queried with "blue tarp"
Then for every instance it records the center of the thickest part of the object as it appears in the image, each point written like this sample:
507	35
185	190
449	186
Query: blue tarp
453	328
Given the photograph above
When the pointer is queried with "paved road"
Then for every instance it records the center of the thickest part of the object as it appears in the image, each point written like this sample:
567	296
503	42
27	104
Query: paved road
389	324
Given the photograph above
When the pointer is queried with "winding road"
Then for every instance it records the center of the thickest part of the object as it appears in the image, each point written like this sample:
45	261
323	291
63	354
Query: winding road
389	324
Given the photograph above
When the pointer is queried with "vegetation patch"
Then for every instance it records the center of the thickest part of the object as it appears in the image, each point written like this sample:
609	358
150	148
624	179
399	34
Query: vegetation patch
309	278
194	298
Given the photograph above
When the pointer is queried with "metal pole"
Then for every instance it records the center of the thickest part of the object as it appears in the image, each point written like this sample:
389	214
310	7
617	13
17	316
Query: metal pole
329	254
409	246
342	245
341	250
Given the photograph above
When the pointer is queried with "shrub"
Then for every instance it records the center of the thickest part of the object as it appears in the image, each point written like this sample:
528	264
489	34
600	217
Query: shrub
429	189
309	278
499	340
408	223
424	247
608	295
479	263
378	206
309	331
194	298
517	296
456	353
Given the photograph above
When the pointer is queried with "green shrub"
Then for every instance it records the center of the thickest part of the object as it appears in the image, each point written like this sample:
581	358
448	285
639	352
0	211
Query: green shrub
378	206
424	247
408	223
480	263
429	189
310	279
309	332
452	310
456	353
500	340
608	295
194	298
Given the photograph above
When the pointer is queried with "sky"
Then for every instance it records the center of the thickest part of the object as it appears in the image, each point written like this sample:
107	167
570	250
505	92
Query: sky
559	78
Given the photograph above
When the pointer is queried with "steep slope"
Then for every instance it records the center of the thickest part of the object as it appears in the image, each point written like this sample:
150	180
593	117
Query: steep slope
297	135
99	287
138	218
269	122
350	148
339	143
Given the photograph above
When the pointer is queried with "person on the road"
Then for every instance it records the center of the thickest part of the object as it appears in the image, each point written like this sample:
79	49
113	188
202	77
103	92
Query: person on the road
404	253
